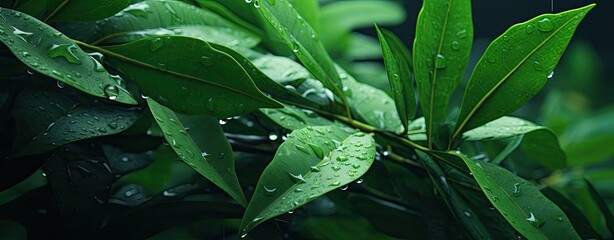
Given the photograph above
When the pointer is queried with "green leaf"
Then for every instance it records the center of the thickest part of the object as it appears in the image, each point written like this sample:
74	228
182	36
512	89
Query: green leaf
200	142
444	34
49	119
603	206
520	202
350	15
49	52
304	42
293	118
371	105
362	47
164	18
281	69
71	10
86	10
577	218
539	143
396	59
588	141
515	67
189	76
312	162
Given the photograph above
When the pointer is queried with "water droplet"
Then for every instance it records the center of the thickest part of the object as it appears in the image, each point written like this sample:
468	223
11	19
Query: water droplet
257	4
207	61
211	104
336	168
97	66
534	221
64	50
455	45
273	136
342	158
359	181
204	154
538	66
302	149
440	62
344	187
222	121
111	91
248	1
269	191
131	192
517	192
551	74
156	43
356	166
138	10
545	25
335	184
295	47
61	84
317	150
361	157
315	169
462	34
23	35
57	73
297	178
467	214
530	28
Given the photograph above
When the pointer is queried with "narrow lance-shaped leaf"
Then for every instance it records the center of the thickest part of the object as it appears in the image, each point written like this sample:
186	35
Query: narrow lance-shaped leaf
444	34
515	67
304	42
520	202
293	118
71	10
396	59
602	204
49	52
312	162
189	76
200	142
162	18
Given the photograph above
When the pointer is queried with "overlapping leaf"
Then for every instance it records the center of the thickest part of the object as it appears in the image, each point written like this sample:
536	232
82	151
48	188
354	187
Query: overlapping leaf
49	52
310	163
72	10
200	142
189	76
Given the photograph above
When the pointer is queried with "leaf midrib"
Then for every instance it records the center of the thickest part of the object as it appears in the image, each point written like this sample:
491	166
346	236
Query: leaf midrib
499	83
434	78
294	185
181	75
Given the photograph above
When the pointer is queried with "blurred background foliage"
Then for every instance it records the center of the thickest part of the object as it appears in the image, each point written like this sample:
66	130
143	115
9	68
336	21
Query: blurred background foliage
577	104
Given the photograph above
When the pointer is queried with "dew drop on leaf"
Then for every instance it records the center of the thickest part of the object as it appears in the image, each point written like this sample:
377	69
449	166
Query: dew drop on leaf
317	150
211	104
156	43
297	178
23	35
207	61
111	91
545	25
440	62
65	51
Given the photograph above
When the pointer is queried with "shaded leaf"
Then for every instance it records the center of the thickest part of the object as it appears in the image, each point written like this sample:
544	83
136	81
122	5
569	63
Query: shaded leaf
444	34
304	42
164	18
350	15
310	163
47	120
588	141
396	58
49	52
520	202
539	143
200	142
189	76
603	206
86	10
515	67
577	218
293	118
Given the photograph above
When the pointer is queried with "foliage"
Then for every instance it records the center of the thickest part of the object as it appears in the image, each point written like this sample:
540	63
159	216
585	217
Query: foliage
155	118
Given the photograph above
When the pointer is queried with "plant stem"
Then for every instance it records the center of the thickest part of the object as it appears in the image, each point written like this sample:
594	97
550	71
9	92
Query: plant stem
56	10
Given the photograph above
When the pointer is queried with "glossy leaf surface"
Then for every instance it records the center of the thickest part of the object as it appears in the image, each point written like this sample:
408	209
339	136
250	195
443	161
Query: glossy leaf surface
189	76
200	142
165	18
49	52
304	42
293	118
310	163
515	67
539	143
397	60
48	119
444	34
520	202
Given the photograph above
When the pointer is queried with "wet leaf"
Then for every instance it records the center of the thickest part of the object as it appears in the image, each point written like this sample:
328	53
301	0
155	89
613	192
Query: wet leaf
189	76
49	52
200	142
312	162
515	67
47	120
397	60
444	34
